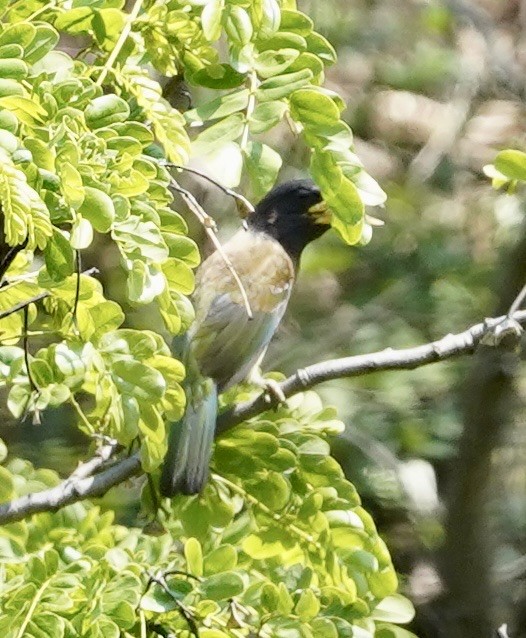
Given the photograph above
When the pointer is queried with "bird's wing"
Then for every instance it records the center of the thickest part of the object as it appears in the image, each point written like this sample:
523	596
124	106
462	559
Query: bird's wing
224	342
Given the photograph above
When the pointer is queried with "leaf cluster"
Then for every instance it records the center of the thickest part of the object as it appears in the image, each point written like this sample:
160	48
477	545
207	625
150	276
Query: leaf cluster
278	544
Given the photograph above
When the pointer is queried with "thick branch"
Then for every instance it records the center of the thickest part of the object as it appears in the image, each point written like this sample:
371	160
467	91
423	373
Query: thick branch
450	346
79	486
71	490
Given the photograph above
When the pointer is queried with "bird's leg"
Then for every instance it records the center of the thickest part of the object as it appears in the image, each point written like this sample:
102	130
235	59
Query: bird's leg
273	392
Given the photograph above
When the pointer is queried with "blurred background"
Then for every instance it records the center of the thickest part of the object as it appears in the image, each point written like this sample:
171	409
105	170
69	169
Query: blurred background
434	90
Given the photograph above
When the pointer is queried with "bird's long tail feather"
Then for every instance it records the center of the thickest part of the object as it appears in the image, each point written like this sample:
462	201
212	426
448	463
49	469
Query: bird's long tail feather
186	466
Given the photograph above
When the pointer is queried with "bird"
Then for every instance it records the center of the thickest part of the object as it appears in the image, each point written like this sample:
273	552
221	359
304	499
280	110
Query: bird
223	345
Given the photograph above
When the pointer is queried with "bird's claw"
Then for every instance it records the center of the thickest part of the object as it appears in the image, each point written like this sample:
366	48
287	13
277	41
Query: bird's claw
273	391
271	388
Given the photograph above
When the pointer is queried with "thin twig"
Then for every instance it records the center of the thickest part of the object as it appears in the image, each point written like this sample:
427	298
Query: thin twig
160	579
9	257
72	490
42	295
32	383
120	42
210	229
517	302
23	304
247	206
78	264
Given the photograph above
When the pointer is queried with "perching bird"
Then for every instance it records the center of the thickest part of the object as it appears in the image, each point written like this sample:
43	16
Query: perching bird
223	345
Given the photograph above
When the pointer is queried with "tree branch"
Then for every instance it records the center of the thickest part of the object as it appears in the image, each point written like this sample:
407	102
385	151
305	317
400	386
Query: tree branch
71	490
79	486
450	346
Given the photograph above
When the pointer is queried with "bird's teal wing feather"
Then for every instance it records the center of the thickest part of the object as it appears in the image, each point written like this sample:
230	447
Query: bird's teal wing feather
228	344
223	345
186	465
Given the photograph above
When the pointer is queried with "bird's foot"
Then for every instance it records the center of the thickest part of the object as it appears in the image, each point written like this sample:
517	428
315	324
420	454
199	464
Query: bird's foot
271	387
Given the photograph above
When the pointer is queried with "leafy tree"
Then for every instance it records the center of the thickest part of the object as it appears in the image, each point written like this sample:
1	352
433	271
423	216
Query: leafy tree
278	544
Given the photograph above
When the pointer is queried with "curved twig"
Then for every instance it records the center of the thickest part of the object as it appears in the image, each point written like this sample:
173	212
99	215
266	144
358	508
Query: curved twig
210	227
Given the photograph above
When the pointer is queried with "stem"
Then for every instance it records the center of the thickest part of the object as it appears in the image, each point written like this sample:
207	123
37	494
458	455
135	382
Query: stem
210	228
31	610
273	515
120	42
81	415
250	109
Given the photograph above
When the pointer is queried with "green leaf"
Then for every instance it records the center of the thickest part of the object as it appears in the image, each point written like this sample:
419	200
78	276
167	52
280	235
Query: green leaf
222	586
59	256
107	26
158	601
219	107
314	109
218	134
266	115
341	196
98	209
106	316
392	631
218	76
182	247
179	276
25	110
10	88
308	606
21	33
238	25
270	63
270	18
296	21
8	121
72	186
263	165
105	111
17	400
512	164
81	234
221	559
265	544
283	40
7	490
44	41
25	214
395	608
211	20
321	47
138	380
13	68
75	20
271	489
223	162
282	86
194	557
8	141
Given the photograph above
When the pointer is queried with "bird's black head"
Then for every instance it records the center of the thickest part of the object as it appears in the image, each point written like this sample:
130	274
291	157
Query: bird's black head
293	213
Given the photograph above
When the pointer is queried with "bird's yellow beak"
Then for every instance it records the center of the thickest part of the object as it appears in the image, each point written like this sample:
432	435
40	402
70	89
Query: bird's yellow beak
321	213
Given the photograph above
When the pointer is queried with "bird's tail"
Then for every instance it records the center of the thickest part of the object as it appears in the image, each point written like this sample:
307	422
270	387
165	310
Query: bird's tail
185	469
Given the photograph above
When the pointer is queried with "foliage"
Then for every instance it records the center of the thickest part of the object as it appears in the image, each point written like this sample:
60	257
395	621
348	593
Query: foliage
278	544
82	147
508	169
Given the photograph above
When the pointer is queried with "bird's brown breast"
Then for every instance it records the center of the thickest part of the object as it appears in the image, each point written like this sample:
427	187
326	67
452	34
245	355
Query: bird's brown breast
265	269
